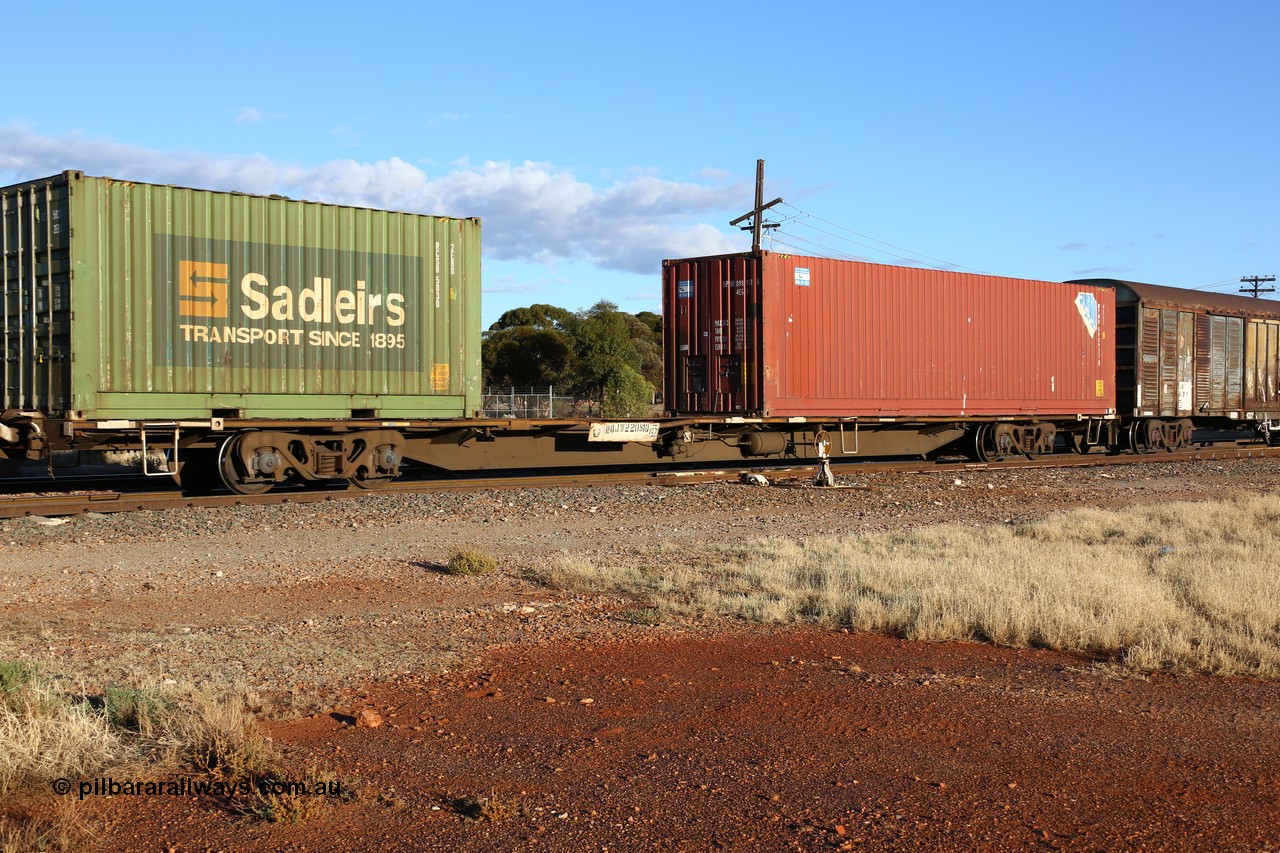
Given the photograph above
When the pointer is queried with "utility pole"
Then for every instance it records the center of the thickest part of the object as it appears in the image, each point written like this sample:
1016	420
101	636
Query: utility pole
758	224
1253	282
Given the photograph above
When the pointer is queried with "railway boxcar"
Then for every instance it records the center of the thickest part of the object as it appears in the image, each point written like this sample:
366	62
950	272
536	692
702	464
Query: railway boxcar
1186	358
132	302
773	335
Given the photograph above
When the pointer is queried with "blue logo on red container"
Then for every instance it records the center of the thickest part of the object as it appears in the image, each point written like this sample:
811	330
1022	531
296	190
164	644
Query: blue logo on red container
1087	305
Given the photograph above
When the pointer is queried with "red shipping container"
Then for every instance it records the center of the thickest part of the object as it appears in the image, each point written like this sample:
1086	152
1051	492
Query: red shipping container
776	335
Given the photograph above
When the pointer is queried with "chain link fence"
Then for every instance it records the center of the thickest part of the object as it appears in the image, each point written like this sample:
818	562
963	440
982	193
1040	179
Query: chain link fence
533	403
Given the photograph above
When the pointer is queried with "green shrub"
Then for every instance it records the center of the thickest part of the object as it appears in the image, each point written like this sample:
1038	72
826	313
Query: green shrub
134	709
470	561
627	394
15	677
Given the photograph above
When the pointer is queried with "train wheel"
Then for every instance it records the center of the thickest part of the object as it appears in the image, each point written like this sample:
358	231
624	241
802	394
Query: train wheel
362	482
1156	436
1004	441
1184	430
981	447
1137	438
1146	436
230	469
386	462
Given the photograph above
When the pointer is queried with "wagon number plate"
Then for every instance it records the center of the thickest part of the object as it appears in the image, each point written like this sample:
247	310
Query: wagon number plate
623	431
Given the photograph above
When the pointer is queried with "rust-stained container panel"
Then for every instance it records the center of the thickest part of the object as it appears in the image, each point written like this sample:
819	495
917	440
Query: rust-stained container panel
1262	366
1168	362
1234	350
784	335
712	316
1219	344
170	302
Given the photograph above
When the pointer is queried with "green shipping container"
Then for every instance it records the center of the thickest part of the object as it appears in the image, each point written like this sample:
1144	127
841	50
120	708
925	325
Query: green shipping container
137	301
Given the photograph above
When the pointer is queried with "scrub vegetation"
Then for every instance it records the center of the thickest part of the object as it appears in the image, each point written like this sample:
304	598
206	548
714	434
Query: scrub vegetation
601	354
48	738
1184	587
471	561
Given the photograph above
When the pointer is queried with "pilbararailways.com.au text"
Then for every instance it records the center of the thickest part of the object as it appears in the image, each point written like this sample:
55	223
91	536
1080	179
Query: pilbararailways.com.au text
195	786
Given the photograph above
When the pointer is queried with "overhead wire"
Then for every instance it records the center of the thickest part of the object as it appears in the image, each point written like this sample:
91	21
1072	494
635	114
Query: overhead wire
833	251
1211	286
800	218
897	249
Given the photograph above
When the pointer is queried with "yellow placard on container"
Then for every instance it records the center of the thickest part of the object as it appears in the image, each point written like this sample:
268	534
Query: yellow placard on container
1099	388
440	377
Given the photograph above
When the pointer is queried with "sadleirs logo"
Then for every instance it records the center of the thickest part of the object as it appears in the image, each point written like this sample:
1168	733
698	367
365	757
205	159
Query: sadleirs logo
227	300
1087	305
202	289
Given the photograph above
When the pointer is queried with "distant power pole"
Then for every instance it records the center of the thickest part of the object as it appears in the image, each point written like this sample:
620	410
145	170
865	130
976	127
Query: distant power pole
758	225
1252	282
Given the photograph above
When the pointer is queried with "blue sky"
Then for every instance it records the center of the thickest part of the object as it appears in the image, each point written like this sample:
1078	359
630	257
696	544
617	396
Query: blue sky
1041	140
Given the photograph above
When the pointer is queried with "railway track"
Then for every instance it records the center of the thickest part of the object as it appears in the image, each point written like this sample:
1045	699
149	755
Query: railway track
111	500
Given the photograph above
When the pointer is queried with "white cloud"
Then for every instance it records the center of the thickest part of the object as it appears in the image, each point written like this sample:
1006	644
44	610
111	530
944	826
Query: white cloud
444	118
509	284
253	115
532	211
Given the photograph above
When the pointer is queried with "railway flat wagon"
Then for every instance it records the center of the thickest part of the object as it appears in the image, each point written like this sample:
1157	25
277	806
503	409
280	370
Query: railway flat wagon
1187	358
771	335
131	306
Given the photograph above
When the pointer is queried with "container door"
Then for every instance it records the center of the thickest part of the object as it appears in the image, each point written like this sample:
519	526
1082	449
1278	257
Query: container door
35	276
1148	392
1185	360
1168	362
1262	366
1219	342
712	320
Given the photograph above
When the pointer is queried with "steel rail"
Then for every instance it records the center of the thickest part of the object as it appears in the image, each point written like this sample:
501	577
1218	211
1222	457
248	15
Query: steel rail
116	501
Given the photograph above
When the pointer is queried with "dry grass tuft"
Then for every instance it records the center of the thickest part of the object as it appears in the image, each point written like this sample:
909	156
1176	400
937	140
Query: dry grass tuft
646	616
61	827
43	736
46	734
220	737
471	561
142	733
280	798
489	808
1181	587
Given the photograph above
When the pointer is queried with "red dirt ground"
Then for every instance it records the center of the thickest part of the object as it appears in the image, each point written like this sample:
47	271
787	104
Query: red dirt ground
701	734
800	739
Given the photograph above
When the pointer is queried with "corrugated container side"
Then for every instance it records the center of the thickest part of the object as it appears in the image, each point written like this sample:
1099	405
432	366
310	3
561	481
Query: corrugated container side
35	275
1189	353
842	338
1166	358
711	330
1219	344
1262	366
190	302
